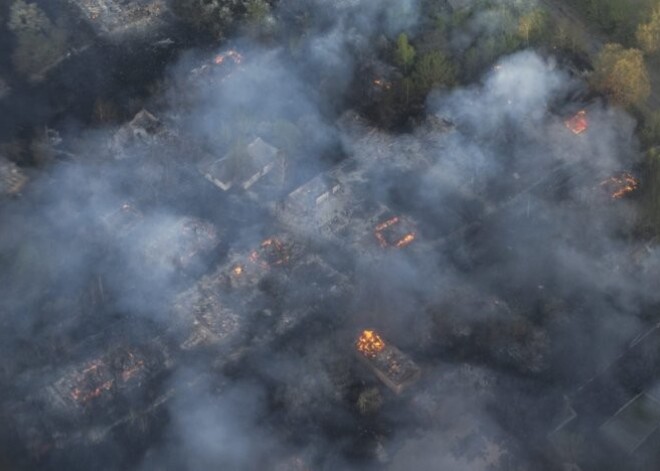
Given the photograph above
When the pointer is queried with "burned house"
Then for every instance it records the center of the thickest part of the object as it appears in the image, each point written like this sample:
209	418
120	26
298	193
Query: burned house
180	242
393	367
114	19
617	412
137	135
324	205
12	178
202	316
83	403
97	382
243	168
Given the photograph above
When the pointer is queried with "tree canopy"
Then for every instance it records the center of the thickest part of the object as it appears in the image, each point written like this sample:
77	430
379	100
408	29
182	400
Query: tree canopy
648	34
621	74
404	54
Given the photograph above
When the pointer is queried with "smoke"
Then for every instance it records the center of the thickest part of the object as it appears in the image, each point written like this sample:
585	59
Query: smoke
520	264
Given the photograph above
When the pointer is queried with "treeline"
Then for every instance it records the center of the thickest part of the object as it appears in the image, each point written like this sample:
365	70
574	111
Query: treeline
628	69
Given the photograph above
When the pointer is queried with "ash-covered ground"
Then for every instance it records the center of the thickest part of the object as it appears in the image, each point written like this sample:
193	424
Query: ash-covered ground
185	291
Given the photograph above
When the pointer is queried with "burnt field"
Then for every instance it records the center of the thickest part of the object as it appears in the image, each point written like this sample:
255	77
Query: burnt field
263	269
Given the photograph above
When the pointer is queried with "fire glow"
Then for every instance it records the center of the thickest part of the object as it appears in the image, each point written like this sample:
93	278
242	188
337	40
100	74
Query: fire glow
97	378
386	233
383	84
232	55
369	343
620	185
272	252
578	123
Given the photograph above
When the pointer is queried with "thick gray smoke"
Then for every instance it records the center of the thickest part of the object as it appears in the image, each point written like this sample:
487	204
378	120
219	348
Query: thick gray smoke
503	197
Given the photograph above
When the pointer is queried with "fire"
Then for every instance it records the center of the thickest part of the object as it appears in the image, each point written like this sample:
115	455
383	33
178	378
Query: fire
578	123
369	343
132	369
405	240
236	57
384	225
83	396
270	253
621	185
380	83
237	270
98	377
394	239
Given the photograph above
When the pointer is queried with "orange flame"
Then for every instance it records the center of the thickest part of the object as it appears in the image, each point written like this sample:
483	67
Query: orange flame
578	123
404	241
93	381
621	185
237	270
369	343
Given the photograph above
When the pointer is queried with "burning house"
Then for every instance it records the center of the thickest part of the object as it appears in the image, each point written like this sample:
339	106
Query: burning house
394	368
81	404
243	168
276	253
395	232
115	18
578	123
620	185
12	178
98	381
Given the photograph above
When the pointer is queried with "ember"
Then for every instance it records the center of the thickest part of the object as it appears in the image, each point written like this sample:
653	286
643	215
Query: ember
620	185
578	123
233	55
380	83
100	376
393	233
272	252
369	343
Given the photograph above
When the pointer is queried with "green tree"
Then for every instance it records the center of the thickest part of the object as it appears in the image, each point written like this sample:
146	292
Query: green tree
650	132
217	17
621	74
39	43
433	70
532	25
652	205
648	34
404	54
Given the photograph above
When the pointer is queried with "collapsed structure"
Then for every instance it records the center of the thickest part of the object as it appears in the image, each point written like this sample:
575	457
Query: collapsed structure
243	167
